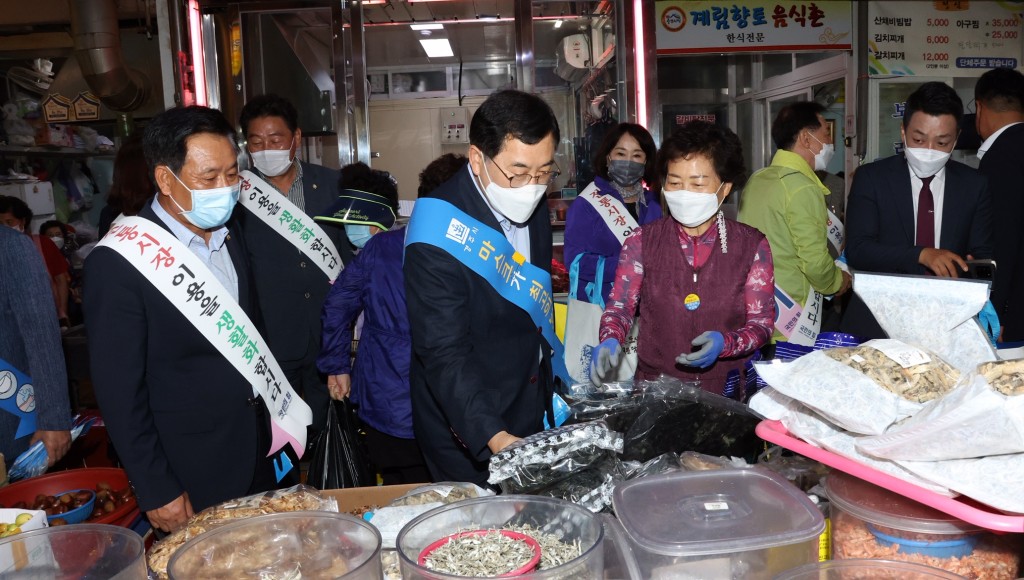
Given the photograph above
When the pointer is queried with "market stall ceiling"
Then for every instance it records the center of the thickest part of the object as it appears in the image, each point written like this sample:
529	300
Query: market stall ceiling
479	31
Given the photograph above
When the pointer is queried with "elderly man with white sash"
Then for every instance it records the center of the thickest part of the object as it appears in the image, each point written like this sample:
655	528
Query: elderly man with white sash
294	259
196	405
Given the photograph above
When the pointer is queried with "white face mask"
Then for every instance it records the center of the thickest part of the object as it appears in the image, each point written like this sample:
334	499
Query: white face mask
517	204
272	162
692	208
821	158
925	162
59	241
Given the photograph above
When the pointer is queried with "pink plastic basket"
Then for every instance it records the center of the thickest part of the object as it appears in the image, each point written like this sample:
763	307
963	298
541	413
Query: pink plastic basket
960	507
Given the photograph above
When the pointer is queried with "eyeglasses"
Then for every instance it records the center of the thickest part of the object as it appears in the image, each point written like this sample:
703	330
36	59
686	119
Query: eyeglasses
524	179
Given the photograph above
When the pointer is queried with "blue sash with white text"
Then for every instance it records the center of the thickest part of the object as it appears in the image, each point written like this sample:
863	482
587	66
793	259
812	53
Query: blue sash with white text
18	397
489	254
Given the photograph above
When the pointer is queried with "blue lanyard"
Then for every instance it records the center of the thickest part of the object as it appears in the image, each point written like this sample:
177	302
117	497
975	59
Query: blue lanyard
489	254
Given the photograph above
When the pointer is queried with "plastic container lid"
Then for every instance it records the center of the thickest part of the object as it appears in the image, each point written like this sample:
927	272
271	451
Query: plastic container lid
715	512
863	568
885	508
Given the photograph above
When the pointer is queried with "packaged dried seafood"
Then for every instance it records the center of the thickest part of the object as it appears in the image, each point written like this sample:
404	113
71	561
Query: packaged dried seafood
292	499
808	425
910	372
935	313
550	456
863	389
1005	376
443	492
975	420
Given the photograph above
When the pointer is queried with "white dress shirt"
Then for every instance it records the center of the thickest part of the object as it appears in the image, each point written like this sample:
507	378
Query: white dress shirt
992	139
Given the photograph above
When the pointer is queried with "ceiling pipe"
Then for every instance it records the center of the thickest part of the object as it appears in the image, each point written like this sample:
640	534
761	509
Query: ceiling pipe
97	42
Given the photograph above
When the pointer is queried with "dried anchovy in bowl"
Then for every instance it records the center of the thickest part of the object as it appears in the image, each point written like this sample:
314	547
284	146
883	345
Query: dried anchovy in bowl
553	553
480	555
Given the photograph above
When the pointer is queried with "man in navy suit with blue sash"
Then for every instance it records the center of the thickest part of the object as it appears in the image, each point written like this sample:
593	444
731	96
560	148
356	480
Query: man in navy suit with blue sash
481	373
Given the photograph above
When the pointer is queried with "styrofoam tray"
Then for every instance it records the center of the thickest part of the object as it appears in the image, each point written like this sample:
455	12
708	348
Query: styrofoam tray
959	507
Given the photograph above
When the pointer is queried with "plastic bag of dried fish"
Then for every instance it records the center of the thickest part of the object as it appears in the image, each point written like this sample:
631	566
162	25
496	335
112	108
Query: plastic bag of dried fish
444	492
935	313
292	499
863	389
663	463
550	456
975	420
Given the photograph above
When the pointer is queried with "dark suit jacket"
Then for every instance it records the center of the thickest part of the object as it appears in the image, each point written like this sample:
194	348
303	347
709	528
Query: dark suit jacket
1003	164
179	414
880	217
292	289
880	227
475	369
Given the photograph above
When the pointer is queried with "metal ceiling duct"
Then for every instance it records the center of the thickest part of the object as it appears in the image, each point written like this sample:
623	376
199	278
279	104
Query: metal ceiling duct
97	42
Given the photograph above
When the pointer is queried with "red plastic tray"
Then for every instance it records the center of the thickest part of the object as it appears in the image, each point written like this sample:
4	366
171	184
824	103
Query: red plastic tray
84	478
960	507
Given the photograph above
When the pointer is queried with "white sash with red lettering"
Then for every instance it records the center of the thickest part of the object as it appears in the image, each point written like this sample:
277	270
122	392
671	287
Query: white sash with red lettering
611	210
291	223
192	288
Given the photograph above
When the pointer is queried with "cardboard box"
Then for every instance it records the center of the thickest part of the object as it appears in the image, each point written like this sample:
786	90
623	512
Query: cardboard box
357	499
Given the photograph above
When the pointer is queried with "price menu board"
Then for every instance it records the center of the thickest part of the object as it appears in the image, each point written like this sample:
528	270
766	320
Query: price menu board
945	38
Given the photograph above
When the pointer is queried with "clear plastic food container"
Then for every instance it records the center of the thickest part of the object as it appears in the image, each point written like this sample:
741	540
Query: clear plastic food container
556	519
747	524
74	552
308	545
867	570
619	562
871	522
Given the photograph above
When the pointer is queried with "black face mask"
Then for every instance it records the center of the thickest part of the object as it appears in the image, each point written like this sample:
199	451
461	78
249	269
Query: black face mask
624	172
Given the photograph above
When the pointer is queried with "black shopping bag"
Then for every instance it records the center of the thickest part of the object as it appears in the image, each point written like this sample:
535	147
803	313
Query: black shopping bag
338	458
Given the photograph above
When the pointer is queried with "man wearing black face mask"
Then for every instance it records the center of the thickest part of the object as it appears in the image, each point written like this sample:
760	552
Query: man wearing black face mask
622	198
191	395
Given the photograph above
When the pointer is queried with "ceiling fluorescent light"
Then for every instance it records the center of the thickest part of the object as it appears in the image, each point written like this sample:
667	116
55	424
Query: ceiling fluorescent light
431	26
437	47
558	23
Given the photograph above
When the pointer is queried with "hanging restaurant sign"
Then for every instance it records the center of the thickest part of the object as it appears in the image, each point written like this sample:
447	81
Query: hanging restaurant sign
943	38
693	27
